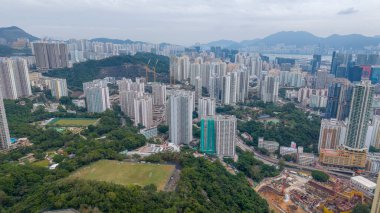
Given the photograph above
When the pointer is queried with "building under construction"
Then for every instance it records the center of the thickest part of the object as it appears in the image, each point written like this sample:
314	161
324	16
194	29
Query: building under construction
333	196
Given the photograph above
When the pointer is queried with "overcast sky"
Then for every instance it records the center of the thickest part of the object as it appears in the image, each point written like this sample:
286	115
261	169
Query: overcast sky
189	21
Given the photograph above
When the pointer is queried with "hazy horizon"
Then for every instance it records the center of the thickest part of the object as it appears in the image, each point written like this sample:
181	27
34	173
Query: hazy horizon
189	22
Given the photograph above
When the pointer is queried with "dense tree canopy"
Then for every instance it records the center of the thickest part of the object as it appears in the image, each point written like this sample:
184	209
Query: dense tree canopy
320	176
204	186
6	51
361	208
90	70
254	168
163	129
295	125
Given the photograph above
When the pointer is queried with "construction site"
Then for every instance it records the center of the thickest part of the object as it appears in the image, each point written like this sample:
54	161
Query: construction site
297	192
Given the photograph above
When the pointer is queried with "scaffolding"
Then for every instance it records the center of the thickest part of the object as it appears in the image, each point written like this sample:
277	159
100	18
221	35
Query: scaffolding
208	142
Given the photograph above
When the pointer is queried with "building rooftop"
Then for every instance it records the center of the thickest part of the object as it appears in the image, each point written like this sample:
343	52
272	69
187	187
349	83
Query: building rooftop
62	211
364	181
305	154
271	143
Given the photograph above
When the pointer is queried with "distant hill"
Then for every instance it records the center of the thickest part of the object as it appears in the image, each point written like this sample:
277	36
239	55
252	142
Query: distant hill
302	38
223	43
116	41
355	41
298	38
11	34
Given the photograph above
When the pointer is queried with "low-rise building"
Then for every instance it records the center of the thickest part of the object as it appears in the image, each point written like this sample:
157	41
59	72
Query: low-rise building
79	103
363	184
149	133
247	136
373	163
62	211
284	150
271	146
291	94
150	149
343	157
306	159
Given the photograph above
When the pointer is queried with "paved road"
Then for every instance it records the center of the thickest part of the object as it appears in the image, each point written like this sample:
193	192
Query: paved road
274	162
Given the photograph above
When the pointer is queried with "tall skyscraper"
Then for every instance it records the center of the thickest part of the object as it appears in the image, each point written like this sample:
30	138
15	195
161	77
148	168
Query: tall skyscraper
234	87
339	59
212	88
126	99
198	88
243	78
206	107
360	114
226	89
375	137
50	55
180	116
316	63
97	96
269	87
225	132
375	74
332	134
195	71
143	108
257	67
339	99
124	84
323	79
206	74
355	73
58	87
179	68
208	142
218	135
129	91
159	94
127	84
376	200
5	141
14	78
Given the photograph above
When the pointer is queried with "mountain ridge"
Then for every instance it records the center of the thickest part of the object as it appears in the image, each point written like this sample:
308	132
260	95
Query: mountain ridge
12	33
303	38
289	38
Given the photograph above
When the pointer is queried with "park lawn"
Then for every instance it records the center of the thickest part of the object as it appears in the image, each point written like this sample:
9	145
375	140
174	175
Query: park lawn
73	122
126	173
41	163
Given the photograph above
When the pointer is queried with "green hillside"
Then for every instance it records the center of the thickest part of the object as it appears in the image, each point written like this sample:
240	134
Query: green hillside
118	66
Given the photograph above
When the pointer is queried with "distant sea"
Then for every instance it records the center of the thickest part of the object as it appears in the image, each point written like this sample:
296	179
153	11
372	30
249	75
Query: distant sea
297	56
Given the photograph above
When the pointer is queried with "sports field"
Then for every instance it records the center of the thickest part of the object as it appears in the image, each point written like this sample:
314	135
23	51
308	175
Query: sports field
126	173
73	122
41	163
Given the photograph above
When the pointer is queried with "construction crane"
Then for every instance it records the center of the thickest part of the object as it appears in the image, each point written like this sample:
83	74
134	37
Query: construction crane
147	71
154	71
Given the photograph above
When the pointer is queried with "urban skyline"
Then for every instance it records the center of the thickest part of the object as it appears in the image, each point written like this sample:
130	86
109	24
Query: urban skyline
287	123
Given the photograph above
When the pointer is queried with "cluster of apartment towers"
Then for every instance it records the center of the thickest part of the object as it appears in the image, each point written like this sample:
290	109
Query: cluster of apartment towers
178	105
15	82
213	83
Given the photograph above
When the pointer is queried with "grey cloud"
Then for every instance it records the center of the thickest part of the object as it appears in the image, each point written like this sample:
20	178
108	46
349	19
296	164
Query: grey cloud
348	11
